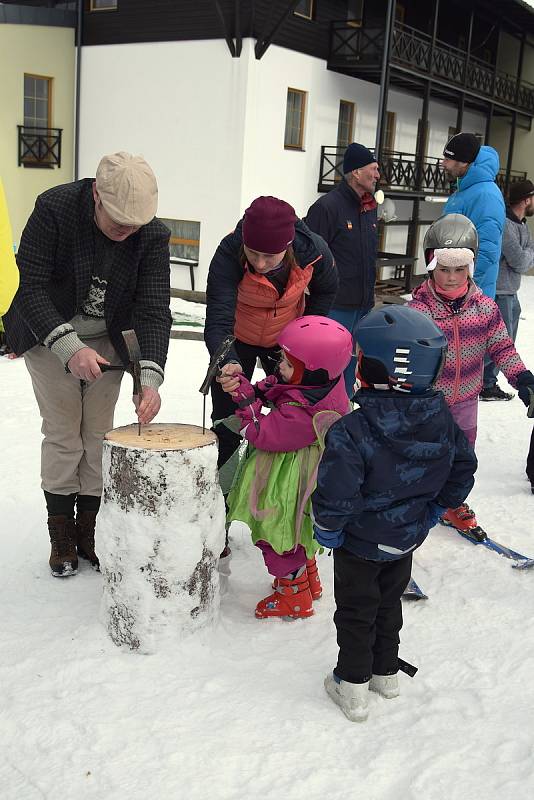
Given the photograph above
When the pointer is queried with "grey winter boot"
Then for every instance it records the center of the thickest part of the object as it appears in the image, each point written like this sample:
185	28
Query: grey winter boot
63	559
386	685
352	698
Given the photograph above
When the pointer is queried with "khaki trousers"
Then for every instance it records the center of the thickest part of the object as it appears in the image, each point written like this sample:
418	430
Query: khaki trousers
75	415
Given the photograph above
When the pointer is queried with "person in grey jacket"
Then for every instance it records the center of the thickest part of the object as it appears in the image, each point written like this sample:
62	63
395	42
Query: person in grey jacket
517	257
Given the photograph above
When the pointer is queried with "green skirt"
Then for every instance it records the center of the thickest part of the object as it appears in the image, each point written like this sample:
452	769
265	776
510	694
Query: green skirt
271	494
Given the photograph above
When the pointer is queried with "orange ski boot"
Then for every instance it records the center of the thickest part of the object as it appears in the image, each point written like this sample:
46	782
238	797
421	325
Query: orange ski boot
313	578
464	520
292	598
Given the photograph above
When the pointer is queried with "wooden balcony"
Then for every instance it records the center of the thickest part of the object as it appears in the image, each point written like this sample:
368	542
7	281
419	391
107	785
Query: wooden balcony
402	174
358	51
39	147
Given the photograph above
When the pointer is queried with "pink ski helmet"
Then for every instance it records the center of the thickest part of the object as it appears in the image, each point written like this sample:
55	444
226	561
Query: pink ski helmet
319	342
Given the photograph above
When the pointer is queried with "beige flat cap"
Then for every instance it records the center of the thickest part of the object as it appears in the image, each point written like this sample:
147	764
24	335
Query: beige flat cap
128	188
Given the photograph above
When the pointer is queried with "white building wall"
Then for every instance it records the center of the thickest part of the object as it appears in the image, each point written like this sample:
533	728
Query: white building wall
212	127
180	105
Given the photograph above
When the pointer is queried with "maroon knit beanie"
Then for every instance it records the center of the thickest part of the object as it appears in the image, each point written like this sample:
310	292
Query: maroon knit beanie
269	225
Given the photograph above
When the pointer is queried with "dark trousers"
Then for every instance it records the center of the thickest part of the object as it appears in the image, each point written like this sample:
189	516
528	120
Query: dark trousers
223	404
368	614
530	459
349	317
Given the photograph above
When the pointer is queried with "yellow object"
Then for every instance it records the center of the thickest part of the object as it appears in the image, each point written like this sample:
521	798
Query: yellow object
9	274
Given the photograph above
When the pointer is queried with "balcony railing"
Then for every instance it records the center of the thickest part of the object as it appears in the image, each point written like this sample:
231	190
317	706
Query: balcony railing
515	175
400	172
360	50
39	147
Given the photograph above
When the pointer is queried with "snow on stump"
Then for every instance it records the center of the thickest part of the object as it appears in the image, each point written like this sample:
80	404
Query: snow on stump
159	535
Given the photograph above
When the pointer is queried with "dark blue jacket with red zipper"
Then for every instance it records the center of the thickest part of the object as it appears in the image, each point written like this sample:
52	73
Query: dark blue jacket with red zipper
348	226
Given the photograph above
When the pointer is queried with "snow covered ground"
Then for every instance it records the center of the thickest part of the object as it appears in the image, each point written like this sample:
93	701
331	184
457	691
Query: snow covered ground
241	714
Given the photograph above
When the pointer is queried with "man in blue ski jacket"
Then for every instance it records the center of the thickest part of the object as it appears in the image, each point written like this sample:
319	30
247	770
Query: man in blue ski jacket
479	198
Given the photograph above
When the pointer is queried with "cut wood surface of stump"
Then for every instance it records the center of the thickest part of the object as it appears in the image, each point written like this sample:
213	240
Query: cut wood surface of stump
159	534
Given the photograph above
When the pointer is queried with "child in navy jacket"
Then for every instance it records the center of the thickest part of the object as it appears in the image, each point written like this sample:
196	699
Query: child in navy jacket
388	470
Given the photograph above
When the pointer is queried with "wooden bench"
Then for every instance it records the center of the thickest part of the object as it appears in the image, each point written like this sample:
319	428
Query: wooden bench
178	261
186	262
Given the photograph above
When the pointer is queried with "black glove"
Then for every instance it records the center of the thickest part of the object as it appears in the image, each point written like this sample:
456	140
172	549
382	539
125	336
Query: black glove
525	390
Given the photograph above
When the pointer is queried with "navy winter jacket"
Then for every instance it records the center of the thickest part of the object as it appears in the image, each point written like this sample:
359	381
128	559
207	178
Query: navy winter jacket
351	235
226	272
479	198
384	465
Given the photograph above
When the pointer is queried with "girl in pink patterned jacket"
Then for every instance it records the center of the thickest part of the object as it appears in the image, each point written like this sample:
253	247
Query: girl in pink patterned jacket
473	325
272	490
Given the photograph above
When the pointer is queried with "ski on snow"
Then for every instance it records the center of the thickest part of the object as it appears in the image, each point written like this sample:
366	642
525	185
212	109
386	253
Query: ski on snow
478	536
414	592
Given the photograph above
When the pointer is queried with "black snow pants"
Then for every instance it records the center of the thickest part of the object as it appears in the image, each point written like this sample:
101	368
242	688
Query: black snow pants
368	614
530	459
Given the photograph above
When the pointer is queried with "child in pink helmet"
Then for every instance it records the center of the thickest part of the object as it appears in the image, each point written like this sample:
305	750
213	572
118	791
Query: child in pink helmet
272	489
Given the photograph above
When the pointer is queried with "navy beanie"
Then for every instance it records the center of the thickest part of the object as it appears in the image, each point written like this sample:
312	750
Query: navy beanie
356	156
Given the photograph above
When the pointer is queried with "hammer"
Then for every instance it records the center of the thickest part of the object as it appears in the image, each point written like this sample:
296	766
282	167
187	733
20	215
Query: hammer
134	367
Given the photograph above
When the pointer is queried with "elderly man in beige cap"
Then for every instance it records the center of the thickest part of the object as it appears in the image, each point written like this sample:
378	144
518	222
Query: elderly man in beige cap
93	261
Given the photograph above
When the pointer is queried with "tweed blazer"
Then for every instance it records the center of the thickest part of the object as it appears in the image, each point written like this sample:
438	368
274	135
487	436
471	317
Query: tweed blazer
55	261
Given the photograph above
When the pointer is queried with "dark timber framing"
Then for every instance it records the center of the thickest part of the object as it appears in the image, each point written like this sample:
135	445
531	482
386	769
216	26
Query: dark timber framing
265	39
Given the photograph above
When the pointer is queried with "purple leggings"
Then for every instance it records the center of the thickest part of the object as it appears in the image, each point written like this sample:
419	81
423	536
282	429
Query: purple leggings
465	415
282	565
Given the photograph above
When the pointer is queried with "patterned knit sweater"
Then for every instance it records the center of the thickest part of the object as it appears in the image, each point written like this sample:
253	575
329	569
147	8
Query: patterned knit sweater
472	330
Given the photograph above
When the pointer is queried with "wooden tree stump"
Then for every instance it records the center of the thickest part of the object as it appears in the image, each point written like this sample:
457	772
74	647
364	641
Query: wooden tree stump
160	532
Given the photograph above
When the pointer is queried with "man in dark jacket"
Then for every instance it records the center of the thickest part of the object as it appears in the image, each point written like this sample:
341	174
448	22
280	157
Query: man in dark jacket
93	262
346	219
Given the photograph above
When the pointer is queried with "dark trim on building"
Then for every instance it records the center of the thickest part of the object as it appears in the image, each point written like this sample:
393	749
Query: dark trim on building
30	15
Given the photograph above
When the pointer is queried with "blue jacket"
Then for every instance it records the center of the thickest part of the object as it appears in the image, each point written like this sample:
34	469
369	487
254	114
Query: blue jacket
348	226
384	464
479	198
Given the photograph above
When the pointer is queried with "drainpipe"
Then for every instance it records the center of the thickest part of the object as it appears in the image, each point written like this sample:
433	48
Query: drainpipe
384	80
77	90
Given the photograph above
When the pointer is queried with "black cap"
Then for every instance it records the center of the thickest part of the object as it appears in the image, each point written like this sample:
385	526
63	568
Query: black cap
462	147
520	190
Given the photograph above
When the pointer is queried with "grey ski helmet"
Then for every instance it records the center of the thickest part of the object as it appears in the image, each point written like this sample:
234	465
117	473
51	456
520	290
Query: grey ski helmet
450	230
